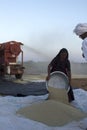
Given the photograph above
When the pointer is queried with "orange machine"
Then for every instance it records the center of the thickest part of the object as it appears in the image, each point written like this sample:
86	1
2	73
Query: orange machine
9	52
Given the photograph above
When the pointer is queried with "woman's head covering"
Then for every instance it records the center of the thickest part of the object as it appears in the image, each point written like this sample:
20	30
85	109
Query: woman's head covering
80	29
63	50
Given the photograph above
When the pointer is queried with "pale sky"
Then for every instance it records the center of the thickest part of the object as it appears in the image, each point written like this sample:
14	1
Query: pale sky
46	26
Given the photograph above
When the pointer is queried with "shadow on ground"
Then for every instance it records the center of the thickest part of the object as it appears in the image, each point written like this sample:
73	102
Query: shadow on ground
22	89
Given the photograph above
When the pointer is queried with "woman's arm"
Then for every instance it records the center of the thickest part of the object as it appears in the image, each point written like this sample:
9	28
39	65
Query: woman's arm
48	71
50	66
69	76
68	71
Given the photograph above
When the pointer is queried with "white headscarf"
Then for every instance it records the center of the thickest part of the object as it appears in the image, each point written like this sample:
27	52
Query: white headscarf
80	29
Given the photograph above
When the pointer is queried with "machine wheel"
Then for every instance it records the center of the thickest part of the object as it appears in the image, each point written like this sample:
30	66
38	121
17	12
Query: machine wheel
18	76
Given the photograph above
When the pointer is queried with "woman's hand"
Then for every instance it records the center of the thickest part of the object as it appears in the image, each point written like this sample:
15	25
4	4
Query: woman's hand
47	78
83	55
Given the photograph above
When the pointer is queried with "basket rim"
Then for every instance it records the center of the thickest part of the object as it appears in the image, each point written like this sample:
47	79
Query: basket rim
58	72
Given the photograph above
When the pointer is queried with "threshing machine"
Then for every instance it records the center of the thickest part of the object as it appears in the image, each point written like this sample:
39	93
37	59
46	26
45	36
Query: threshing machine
9	52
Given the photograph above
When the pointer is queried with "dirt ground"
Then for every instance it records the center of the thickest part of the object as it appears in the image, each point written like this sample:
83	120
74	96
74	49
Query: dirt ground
33	84
76	82
79	83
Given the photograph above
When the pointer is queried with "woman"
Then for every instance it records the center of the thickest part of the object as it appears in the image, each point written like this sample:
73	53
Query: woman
62	63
